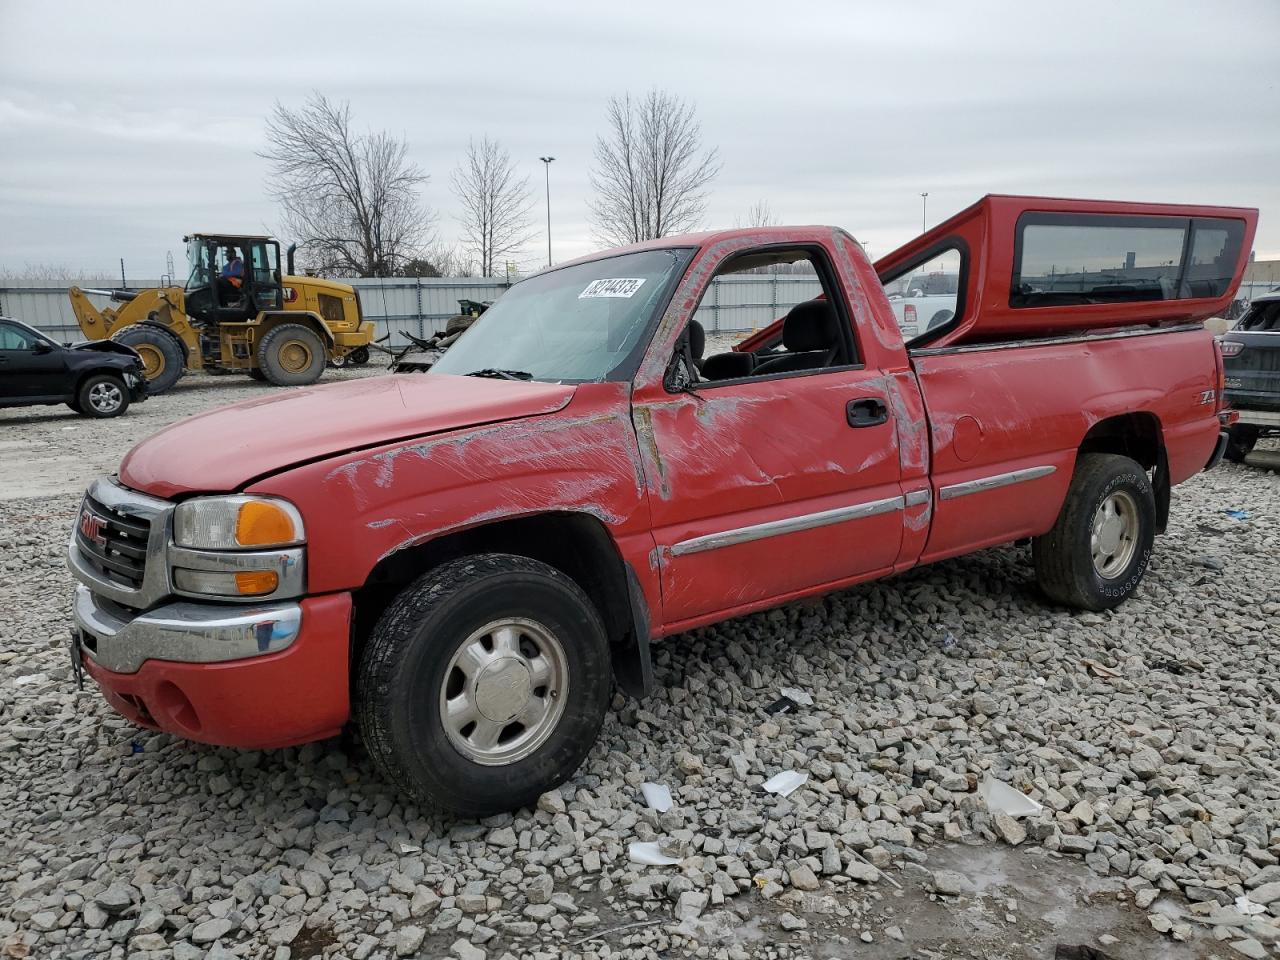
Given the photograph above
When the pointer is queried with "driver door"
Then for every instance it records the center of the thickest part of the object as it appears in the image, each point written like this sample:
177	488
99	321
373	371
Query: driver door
768	486
30	366
262	276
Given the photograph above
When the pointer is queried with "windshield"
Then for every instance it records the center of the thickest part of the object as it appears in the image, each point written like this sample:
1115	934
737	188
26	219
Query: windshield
582	323
198	263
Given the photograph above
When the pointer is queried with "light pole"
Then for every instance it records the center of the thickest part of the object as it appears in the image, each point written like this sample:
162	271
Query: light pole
924	211
546	162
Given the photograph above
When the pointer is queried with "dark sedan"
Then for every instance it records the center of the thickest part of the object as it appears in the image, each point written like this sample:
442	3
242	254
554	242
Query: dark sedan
96	379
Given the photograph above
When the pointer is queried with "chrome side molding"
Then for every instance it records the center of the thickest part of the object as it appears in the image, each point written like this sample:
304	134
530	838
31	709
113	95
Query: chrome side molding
775	528
954	490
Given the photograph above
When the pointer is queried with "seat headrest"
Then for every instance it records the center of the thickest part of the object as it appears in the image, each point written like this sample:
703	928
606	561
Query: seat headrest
812	325
697	339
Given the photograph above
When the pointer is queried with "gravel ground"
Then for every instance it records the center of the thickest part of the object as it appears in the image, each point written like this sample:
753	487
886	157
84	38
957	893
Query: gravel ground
1151	736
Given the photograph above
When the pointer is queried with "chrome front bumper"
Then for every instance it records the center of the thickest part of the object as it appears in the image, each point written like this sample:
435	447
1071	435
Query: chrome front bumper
184	631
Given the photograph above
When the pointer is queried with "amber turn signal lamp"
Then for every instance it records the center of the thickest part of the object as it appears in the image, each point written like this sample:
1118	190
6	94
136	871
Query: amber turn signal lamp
263	524
256	581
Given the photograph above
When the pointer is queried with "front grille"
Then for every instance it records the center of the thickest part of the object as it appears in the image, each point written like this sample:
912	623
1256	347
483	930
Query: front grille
120	553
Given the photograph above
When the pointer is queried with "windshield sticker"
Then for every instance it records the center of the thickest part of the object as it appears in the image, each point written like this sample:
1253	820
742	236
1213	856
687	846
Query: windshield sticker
615	287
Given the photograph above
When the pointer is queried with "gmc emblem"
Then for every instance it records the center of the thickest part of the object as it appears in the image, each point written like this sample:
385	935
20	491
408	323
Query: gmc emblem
92	527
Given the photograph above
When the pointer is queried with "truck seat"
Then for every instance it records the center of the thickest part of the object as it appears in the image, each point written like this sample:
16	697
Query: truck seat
811	334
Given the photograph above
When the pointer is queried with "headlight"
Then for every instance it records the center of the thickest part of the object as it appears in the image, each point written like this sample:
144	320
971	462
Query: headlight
235	523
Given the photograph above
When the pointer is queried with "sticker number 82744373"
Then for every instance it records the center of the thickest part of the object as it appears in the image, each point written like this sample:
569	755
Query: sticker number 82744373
613	287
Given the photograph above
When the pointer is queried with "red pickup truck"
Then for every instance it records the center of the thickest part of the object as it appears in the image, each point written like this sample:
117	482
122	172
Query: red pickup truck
465	561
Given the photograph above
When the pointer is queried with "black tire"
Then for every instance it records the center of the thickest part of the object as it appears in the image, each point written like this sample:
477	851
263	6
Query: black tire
358	357
292	355
257	375
1064	557
161	352
405	669
75	405
459	323
1241	439
102	395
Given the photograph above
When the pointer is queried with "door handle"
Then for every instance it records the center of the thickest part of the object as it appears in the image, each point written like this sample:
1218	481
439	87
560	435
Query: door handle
866	412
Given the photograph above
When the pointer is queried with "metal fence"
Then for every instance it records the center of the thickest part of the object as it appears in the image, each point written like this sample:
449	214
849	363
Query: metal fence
421	305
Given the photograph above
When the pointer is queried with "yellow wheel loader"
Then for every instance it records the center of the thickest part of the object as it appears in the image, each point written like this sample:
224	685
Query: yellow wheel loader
236	313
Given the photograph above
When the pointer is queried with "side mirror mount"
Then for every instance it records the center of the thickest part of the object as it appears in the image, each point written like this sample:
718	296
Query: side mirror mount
41	347
681	375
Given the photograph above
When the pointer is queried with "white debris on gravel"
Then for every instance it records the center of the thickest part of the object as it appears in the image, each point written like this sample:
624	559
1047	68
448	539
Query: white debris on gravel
1164	776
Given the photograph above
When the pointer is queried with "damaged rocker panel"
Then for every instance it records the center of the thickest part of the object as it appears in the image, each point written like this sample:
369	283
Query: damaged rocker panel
774	528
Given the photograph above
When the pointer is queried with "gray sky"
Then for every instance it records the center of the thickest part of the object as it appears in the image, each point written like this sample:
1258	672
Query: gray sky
124	125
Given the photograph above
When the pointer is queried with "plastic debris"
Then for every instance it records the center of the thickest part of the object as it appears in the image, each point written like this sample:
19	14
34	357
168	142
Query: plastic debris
1237	514
29	678
1002	798
782	705
799	696
785	783
949	641
649	855
409	848
1247	907
657	796
1099	669
137	747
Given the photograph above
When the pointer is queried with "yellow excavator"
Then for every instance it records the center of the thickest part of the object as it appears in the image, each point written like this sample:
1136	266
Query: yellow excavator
236	313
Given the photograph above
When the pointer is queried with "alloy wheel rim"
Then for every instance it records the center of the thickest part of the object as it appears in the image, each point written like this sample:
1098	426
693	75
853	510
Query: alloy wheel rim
105	397
1113	536
504	691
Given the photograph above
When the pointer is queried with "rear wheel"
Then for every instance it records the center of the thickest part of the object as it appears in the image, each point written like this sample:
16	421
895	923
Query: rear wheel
161	353
358	357
1098	550
292	355
102	395
1241	439
257	375
484	684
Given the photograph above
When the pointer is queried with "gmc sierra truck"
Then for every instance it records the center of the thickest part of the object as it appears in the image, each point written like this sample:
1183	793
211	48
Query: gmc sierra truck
464	562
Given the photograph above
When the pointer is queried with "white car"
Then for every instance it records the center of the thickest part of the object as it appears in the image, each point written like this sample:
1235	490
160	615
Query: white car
927	300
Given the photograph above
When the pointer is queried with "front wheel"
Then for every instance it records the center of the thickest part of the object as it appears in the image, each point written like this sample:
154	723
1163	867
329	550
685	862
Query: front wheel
484	684
102	395
1097	552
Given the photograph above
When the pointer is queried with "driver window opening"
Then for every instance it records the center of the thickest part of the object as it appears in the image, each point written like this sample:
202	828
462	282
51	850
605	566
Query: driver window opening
807	337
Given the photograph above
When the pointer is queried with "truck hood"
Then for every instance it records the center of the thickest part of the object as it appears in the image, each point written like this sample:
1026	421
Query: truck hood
222	450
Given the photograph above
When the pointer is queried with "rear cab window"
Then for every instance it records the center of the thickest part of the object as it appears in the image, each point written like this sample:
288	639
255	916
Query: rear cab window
926	295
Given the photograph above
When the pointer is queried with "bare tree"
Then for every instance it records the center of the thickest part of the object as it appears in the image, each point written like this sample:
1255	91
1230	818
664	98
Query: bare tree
55	273
495	204
651	174
759	215
350	200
